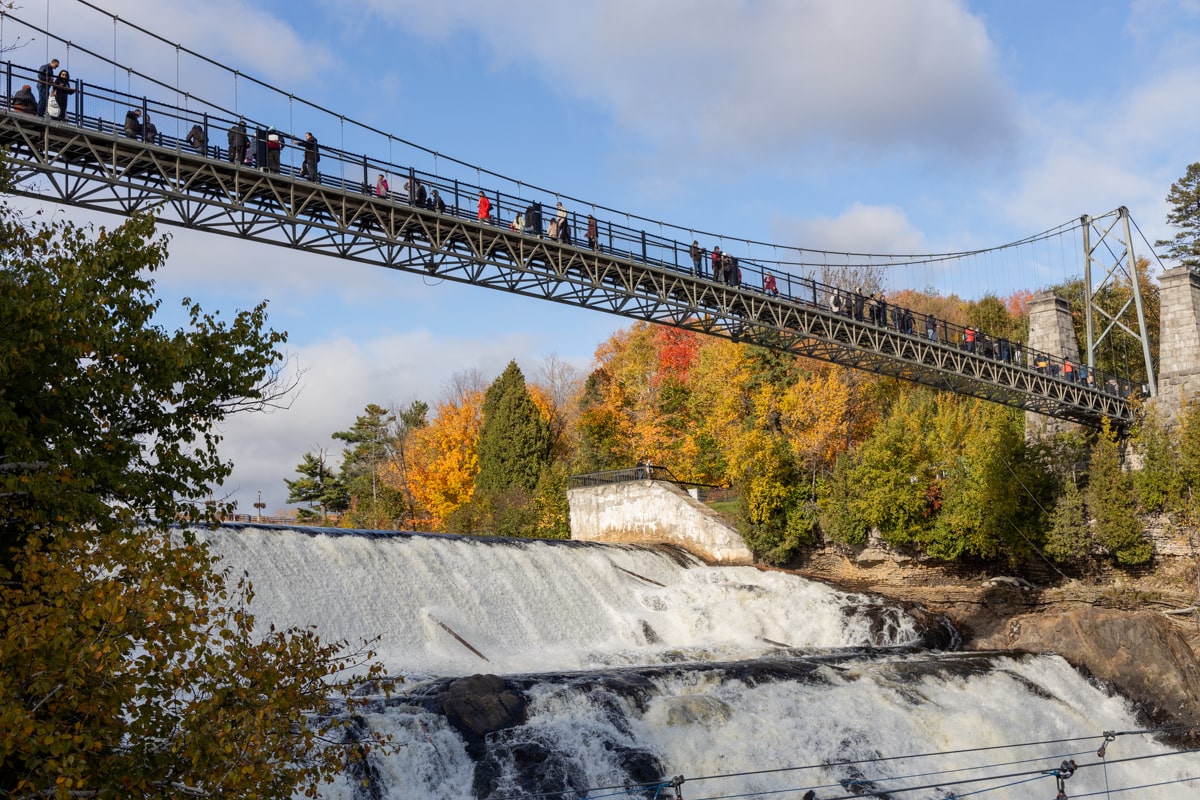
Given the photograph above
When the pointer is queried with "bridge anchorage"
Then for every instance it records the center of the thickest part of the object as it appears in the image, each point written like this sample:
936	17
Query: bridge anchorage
87	161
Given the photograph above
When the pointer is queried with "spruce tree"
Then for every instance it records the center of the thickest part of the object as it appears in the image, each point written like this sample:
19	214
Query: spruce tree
514	440
317	486
372	441
1184	200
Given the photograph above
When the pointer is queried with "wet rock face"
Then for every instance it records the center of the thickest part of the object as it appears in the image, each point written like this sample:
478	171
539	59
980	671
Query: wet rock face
1139	653
481	704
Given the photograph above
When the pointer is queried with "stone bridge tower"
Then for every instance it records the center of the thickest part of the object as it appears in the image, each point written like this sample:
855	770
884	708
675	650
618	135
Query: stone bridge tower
1179	341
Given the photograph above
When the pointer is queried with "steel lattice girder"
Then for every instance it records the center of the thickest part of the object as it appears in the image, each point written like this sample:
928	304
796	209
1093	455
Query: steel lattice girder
118	175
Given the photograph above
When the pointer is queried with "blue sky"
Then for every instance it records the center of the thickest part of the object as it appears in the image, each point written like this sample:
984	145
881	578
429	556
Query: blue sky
863	125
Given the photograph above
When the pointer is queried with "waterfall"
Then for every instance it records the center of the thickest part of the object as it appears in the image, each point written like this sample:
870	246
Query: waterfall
573	670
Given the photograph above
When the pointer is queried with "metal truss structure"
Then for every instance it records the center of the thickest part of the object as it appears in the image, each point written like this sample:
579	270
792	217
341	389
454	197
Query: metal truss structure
1119	266
110	173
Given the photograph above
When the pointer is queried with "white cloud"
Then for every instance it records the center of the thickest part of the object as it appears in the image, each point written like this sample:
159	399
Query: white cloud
860	229
753	79
341	376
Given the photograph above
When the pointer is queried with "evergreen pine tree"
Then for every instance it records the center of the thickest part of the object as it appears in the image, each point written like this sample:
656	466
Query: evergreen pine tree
514	440
317	486
372	439
1184	199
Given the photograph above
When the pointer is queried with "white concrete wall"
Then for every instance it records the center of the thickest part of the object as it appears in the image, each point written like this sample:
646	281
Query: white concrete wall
654	512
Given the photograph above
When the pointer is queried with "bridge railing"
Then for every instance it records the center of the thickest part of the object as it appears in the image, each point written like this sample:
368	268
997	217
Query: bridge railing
642	472
103	109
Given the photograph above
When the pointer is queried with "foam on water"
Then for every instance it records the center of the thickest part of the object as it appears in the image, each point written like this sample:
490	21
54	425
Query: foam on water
636	664
534	606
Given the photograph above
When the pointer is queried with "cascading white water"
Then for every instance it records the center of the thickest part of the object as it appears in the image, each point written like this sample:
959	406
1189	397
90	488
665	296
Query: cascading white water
623	666
536	606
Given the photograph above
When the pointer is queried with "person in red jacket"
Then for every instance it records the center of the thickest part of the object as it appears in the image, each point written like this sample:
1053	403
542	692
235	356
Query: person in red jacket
485	207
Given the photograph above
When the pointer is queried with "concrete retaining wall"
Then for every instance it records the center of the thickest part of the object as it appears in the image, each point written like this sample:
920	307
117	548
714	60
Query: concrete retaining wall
654	512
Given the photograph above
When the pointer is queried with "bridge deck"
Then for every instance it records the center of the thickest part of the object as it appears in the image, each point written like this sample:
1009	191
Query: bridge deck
103	171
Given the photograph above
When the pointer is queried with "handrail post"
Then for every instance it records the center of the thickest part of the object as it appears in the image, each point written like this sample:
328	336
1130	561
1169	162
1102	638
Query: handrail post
145	117
366	184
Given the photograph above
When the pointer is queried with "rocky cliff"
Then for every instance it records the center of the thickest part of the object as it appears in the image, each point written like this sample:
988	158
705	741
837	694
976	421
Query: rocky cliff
1114	626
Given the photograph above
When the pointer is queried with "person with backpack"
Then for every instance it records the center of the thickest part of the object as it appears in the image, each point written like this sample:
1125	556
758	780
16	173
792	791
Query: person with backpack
274	148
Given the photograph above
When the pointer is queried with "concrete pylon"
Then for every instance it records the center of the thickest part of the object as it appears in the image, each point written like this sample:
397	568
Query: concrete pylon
1179	341
1051	331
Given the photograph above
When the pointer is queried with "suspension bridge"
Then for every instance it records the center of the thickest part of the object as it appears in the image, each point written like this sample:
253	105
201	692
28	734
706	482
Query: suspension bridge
89	158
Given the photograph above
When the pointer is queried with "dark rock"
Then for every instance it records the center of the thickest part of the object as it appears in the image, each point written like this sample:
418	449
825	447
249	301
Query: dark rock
481	704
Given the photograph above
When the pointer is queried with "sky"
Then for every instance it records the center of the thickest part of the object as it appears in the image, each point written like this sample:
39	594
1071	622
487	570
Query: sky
870	126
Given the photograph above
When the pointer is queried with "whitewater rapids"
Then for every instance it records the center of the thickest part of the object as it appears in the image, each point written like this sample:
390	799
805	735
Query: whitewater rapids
624	667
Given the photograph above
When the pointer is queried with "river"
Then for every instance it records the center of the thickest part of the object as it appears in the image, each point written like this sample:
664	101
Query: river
620	669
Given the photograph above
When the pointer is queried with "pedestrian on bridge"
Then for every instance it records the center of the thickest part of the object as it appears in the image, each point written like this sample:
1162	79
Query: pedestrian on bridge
149	130
133	123
485	207
437	203
45	82
312	155
274	150
58	99
24	101
716	263
562	217
533	218
198	138
239	142
696	253
769	285
593	237
381	186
